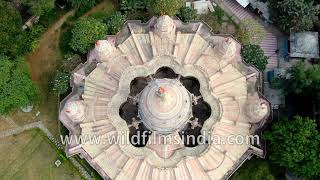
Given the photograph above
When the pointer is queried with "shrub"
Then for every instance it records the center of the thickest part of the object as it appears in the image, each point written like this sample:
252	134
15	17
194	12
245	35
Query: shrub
250	32
61	82
187	14
219	14
165	7
254	55
115	23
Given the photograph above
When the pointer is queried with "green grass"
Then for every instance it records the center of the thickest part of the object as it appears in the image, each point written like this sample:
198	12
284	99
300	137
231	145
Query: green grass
29	155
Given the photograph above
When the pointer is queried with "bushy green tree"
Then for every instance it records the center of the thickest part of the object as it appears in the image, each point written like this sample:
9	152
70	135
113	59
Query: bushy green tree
10	29
85	33
254	55
250	32
61	82
16	87
300	79
115	23
165	7
187	14
39	7
294	145
293	15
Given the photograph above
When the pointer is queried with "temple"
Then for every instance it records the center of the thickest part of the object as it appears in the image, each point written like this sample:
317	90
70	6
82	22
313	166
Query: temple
165	78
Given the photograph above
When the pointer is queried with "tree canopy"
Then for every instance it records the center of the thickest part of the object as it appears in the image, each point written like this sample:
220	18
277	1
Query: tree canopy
187	14
85	33
10	29
16	87
294	145
165	7
293	15
39	7
115	23
253	54
300	79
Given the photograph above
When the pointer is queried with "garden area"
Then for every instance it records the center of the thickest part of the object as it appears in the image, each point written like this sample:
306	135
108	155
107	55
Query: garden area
31	155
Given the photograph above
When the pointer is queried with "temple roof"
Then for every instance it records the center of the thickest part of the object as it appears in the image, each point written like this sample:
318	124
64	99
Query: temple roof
226	84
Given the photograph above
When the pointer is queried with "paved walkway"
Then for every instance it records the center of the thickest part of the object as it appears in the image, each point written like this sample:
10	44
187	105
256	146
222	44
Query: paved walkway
9	121
269	44
40	125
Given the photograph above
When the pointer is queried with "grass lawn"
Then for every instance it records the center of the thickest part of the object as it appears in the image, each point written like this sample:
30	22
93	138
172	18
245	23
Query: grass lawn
30	155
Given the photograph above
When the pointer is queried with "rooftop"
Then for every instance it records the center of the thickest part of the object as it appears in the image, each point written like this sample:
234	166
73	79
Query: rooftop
304	45
167	78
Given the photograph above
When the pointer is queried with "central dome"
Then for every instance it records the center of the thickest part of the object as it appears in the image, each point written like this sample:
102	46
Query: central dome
165	105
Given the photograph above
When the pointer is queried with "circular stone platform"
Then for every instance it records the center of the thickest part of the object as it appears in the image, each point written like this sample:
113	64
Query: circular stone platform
165	106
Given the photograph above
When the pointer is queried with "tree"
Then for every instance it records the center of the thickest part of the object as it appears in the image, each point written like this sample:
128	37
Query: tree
165	7
294	144
253	54
39	7
16	87
115	23
85	33
300	79
293	15
10	29
187	14
250	32
61	82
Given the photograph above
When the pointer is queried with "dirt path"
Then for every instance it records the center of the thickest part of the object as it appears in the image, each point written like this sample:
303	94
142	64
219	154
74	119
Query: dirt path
44	58
106	6
43	63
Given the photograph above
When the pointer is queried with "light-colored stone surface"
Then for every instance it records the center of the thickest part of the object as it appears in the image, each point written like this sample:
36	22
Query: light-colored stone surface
228	85
165	106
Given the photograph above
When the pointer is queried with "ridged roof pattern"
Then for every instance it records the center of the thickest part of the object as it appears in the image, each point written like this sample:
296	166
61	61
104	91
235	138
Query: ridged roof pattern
227	84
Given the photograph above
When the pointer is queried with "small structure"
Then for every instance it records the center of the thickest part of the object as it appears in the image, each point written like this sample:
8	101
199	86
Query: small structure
243	3
27	18
27	108
57	163
304	45
202	6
